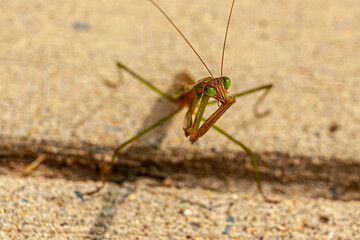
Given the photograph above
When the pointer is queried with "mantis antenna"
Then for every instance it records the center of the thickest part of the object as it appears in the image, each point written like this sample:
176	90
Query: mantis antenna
226	33
177	29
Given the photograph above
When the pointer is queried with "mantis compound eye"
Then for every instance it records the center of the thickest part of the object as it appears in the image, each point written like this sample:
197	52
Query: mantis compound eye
210	91
227	82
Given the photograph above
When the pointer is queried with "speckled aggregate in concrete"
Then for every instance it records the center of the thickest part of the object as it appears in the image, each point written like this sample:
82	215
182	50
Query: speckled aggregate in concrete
143	211
59	85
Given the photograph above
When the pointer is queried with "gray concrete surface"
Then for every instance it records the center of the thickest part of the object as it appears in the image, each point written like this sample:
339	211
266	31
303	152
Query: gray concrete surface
138	211
61	96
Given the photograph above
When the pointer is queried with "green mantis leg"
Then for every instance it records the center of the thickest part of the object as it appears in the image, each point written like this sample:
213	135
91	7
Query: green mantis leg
265	88
124	144
143	132
147	83
253	160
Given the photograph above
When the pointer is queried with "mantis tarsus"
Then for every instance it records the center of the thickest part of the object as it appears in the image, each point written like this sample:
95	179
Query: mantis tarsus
196	97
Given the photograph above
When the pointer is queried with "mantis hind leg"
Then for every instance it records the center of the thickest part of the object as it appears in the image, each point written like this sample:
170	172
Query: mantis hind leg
253	160
124	144
143	132
266	89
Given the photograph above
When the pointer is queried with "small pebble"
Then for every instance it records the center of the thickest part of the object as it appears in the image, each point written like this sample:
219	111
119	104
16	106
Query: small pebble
123	191
132	197
187	212
79	195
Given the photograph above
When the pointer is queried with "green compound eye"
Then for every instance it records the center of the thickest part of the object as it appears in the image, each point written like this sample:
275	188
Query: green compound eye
227	82
210	91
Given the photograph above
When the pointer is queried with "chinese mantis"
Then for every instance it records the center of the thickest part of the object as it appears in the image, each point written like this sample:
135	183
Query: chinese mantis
196	96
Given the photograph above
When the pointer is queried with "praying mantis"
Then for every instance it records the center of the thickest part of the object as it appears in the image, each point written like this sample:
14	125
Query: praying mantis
195	96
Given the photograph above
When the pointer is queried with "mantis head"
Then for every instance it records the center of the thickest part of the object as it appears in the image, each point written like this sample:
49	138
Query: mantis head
217	88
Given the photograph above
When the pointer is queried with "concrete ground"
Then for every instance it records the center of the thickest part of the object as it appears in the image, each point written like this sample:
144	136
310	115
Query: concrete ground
64	101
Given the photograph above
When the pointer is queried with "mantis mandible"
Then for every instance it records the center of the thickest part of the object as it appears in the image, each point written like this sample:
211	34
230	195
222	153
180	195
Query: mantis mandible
196	97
